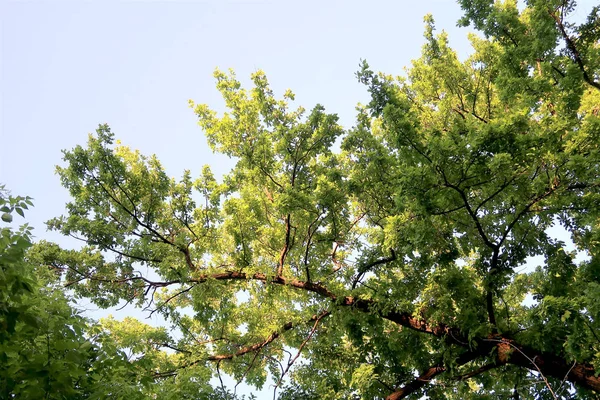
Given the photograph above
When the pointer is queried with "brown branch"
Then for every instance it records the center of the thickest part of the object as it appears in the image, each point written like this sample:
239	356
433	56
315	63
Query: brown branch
549	364
510	352
418	383
247	349
364	305
254	347
502	347
426	377
229	356
292	361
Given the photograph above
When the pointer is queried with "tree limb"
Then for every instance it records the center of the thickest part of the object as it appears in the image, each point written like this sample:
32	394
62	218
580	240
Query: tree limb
418	383
573	49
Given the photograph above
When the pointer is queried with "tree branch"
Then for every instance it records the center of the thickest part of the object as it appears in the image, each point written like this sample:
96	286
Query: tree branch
365	268
550	365
286	246
293	360
418	383
470	211
247	349
573	49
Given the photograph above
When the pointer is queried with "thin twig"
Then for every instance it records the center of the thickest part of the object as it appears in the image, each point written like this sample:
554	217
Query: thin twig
293	360
560	388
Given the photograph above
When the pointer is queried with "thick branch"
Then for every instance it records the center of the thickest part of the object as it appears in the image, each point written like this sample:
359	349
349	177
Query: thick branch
427	376
418	383
548	364
431	373
254	347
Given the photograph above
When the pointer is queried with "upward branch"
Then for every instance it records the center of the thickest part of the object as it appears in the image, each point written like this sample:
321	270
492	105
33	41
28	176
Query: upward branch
573	49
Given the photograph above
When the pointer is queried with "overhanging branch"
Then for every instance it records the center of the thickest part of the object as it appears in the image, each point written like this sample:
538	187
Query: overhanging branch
247	349
548	364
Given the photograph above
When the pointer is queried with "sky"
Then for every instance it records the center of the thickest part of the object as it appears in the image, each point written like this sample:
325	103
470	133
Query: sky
67	66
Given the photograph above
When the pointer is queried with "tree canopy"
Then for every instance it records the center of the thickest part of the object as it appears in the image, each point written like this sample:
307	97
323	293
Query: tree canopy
388	260
47	349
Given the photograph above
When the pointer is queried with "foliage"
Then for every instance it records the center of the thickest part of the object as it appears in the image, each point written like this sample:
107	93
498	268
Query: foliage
47	349
342	261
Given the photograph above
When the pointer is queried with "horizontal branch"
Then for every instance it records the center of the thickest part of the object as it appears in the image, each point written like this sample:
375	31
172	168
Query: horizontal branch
510	352
550	365
418	383
244	350
426	377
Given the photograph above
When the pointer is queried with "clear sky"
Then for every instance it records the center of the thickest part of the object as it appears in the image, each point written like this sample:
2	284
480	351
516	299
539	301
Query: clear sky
67	66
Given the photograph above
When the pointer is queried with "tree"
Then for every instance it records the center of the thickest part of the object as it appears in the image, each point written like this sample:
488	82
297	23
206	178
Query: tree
386	260
46	350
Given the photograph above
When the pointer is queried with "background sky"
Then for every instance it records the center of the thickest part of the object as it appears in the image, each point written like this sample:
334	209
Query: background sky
67	66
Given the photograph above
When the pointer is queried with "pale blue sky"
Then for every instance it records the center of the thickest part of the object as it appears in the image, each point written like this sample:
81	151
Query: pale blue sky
67	66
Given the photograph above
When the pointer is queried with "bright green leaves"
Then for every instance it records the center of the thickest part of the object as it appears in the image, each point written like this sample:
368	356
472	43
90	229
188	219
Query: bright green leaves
44	348
462	167
363	377
411	239
144	344
282	213
451	297
289	182
9	204
464	153
124	202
